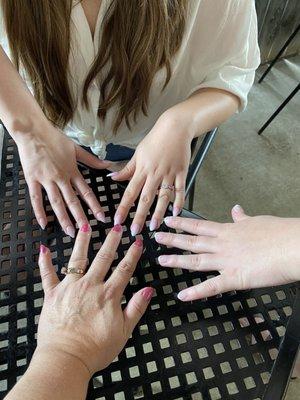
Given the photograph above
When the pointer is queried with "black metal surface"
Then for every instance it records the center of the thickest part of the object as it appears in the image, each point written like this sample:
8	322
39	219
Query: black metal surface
220	348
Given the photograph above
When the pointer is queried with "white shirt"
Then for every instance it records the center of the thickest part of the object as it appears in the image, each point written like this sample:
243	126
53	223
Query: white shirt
219	50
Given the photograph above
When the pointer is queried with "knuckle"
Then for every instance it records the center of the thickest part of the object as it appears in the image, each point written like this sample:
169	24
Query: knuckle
105	256
58	176
128	195
137	307
125	267
145	199
56	201
213	287
73	201
35	197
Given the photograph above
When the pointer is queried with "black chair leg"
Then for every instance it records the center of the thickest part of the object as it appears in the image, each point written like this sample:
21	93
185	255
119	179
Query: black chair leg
192	196
279	109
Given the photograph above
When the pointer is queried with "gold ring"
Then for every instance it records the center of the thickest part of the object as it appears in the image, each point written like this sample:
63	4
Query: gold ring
168	187
66	271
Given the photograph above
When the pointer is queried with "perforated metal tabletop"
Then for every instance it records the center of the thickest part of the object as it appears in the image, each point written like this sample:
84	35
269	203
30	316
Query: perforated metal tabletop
219	348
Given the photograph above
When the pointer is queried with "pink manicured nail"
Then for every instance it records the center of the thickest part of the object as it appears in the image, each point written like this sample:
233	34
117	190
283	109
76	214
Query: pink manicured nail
117	228
43	249
153	224
237	208
85	228
70	231
134	229
117	219
182	295
100	216
158	236
176	211
112	174
147	293
163	260
139	243
42	222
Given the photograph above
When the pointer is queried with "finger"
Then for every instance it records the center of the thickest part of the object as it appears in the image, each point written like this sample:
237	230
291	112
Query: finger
163	200
59	209
78	259
136	308
35	193
126	173
145	201
195	262
88	196
89	159
105	255
73	203
179	194
122	274
129	196
210	287
47	271
195	226
196	244
238	214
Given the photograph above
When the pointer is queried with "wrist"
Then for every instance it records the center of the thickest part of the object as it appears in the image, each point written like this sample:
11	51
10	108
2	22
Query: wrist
24	128
178	122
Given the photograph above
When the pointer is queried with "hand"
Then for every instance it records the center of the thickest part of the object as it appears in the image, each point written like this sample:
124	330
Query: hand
82	315
160	160
252	252
49	160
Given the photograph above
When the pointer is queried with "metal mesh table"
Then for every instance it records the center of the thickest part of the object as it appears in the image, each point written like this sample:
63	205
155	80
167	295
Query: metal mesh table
225	347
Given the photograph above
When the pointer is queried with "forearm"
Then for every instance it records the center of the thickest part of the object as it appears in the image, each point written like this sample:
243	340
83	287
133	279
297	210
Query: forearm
19	111
59	376
204	110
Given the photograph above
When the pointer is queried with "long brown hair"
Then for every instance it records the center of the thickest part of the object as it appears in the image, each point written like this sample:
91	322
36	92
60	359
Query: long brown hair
138	37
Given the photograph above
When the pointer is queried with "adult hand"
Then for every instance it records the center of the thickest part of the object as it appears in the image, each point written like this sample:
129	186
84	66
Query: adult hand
252	252
49	160
82	315
159	166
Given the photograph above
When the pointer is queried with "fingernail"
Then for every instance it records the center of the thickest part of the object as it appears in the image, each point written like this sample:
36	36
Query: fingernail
70	231
162	260
139	243
147	293
237	208
117	219
112	174
85	228
167	220
176	211
100	216
153	224
182	296
42	223
134	229
117	228
158	236
43	249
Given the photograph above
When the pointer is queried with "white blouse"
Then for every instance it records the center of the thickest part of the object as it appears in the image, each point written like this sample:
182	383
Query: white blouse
219	50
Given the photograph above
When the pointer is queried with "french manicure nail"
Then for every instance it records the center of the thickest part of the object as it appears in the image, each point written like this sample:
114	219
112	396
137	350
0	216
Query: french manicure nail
139	243
100	216
134	229
176	211
237	208
147	293
112	174
162	259
158	236
117	219
43	249
153	224
117	228
42	223
182	296
85	228
167	220
70	231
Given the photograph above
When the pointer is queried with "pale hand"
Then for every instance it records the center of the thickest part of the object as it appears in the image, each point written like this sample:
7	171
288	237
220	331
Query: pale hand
252	252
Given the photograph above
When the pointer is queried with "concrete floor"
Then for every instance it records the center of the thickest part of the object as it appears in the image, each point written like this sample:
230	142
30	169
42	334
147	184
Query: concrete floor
260	173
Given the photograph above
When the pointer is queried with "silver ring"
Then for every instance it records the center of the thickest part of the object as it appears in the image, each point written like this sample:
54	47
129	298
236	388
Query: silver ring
168	187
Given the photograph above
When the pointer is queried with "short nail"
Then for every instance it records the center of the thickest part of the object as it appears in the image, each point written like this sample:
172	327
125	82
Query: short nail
43	249
139	243
158	236
153	224
176	211
85	228
117	228
117	219
147	293
112	174
237	208
42	223
70	231
134	229
100	216
162	259
182	296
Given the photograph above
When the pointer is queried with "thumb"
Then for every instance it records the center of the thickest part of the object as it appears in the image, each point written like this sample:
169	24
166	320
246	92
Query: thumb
136	308
238	214
89	159
126	173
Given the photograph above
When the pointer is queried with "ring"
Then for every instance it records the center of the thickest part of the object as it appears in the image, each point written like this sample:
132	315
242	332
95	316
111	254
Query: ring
76	266
66	271
165	186
179	190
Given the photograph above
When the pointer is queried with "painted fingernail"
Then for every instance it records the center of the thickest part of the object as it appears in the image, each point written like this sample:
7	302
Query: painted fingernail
176	211
182	295
100	216
43	249
153	224
162	260
167	220
117	219
158	236
42	222
147	293
237	208
117	228
112	174
85	228
134	229
139	243
70	231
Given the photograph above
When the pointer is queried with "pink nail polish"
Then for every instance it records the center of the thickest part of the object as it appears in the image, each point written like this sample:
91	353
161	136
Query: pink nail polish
153	224
182	295
139	243
112	174
117	219
147	293
43	249
85	228
117	228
